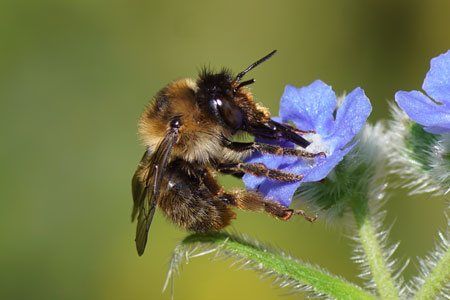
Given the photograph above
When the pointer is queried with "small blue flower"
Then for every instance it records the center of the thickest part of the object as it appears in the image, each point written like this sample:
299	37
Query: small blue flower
434	115
312	108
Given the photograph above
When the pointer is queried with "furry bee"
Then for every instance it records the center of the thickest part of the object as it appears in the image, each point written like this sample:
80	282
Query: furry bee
187	130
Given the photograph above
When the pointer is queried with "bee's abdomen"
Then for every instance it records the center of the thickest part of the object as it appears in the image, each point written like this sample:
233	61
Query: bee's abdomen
190	204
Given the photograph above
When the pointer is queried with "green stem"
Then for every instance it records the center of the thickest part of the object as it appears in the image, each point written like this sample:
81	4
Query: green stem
319	280
436	280
373	251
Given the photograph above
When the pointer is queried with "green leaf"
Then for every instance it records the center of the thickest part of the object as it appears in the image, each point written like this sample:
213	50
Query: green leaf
291	272
420	142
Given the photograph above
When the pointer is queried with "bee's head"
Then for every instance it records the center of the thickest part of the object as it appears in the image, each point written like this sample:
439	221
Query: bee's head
217	91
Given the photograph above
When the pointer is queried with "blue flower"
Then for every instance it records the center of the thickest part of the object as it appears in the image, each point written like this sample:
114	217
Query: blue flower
312	108
434	115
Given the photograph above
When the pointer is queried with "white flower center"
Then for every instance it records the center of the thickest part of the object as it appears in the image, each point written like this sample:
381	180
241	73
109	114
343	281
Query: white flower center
317	144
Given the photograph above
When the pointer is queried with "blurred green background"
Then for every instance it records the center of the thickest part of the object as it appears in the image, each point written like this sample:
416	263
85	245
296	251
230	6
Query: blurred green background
74	78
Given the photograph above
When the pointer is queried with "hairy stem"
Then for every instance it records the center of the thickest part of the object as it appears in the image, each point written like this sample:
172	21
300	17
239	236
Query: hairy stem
373	251
436	280
266	260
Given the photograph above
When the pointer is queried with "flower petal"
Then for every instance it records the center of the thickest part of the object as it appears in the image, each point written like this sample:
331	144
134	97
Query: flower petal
437	80
422	110
436	129
283	192
324	167
350	118
310	107
279	191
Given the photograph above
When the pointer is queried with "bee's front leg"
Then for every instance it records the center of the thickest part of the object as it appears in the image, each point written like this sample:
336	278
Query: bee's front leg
296	130
259	170
269	149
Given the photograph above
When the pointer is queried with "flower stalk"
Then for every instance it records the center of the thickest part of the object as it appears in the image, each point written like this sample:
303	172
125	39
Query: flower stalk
373	250
436	281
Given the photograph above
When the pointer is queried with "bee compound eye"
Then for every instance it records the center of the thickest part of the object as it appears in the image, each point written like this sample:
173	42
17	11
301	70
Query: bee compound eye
175	123
230	113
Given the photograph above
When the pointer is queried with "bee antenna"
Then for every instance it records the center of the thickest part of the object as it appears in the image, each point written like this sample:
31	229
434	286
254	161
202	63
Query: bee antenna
244	83
253	65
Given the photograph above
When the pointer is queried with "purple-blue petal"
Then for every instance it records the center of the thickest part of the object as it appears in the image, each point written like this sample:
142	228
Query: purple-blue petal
350	118
420	108
437	80
283	192
324	167
310	107
436	129
278	191
252	182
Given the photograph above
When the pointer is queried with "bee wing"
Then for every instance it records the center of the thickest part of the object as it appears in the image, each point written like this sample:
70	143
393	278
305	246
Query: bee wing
138	183
146	186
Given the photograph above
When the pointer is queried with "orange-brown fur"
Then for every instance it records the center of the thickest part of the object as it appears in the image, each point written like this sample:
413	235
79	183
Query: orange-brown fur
200	137
256	112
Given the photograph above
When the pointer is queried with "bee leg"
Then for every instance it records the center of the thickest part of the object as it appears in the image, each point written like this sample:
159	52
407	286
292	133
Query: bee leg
259	170
250	201
233	172
270	149
255	202
296	130
302	213
277	150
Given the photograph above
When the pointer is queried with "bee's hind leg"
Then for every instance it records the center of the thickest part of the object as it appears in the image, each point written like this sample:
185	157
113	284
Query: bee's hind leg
254	201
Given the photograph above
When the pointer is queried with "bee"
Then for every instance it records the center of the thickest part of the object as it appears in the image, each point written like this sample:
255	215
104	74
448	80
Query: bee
187	131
